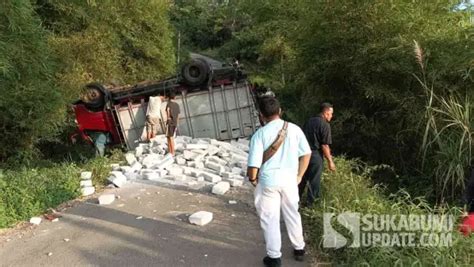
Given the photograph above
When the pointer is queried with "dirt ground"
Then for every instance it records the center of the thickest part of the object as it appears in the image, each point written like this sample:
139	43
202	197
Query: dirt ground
146	226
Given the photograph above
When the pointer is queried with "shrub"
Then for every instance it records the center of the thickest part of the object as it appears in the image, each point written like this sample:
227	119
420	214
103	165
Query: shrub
108	41
345	191
448	139
27	192
31	106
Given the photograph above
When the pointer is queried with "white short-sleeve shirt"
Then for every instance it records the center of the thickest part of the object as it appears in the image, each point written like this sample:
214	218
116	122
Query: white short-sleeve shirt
282	168
154	107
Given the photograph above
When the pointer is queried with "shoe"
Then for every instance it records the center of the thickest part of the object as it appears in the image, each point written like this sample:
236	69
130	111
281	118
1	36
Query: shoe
298	254
271	262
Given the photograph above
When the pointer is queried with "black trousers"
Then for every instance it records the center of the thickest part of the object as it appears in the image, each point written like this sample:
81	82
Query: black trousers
312	178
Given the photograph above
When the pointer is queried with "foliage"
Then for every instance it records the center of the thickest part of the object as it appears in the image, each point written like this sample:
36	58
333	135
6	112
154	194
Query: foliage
202	24
357	55
29	98
365	198
265	38
448	140
51	48
364	64
30	191
108	41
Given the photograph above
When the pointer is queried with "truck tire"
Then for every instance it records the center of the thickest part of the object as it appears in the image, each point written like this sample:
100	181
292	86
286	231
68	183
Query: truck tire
93	96
196	72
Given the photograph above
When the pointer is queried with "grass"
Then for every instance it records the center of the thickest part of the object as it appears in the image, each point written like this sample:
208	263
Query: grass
345	191
30	191
448	143
448	138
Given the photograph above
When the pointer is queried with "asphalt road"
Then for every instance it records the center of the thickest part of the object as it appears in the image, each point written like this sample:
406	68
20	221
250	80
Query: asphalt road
146	226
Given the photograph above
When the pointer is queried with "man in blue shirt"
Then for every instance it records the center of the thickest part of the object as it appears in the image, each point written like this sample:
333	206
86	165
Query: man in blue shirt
277	180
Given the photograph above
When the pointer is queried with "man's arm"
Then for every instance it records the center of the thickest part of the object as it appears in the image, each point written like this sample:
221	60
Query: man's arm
252	175
303	165
168	113
149	106
304	154
327	155
168	110
255	158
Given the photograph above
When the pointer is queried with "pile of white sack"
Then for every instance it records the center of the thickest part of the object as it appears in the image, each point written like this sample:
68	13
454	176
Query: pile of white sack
198	163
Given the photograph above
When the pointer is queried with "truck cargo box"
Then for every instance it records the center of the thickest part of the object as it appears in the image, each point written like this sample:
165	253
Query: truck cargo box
221	112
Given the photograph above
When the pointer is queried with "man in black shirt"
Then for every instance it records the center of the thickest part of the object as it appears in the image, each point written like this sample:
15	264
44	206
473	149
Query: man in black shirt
318	133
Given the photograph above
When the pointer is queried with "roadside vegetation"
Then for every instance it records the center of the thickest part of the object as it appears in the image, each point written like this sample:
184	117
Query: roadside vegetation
351	189
49	50
404	107
358	55
29	191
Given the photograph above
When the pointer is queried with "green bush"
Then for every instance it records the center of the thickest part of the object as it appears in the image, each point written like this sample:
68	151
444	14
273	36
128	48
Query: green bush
118	42
201	24
357	55
100	167
28	192
448	139
345	191
31	106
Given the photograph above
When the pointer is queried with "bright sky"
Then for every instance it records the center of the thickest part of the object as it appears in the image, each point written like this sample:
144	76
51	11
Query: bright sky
466	4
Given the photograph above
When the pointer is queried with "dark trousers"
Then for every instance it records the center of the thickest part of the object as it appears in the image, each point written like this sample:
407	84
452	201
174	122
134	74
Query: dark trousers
312	177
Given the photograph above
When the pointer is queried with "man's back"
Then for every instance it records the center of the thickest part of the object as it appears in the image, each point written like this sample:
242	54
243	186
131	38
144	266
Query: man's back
276	185
174	112
282	167
154	106
318	132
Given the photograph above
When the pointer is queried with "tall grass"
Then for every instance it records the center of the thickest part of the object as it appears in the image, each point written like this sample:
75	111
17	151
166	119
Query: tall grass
448	137
345	191
30	191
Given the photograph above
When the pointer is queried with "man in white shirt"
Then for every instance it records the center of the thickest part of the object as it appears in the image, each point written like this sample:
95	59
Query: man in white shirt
153	115
278	179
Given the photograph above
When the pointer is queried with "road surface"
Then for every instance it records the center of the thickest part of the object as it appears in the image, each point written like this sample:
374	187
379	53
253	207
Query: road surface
146	226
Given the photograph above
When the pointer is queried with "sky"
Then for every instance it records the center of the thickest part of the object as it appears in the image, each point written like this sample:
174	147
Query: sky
466	4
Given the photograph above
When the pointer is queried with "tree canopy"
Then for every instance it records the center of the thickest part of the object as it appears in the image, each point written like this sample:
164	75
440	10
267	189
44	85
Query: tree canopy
359	55
30	102
52	48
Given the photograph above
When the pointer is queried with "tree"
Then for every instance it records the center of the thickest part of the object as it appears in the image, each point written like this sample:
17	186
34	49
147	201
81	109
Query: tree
109	41
31	106
357	55
202	24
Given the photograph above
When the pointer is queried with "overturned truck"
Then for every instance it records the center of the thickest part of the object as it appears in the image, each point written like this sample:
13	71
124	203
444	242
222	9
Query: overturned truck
216	101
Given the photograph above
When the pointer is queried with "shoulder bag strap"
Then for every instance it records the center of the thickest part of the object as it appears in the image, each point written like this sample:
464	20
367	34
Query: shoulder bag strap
276	144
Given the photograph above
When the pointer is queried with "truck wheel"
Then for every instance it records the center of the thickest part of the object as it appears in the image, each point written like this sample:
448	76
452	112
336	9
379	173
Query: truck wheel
195	72
93	96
